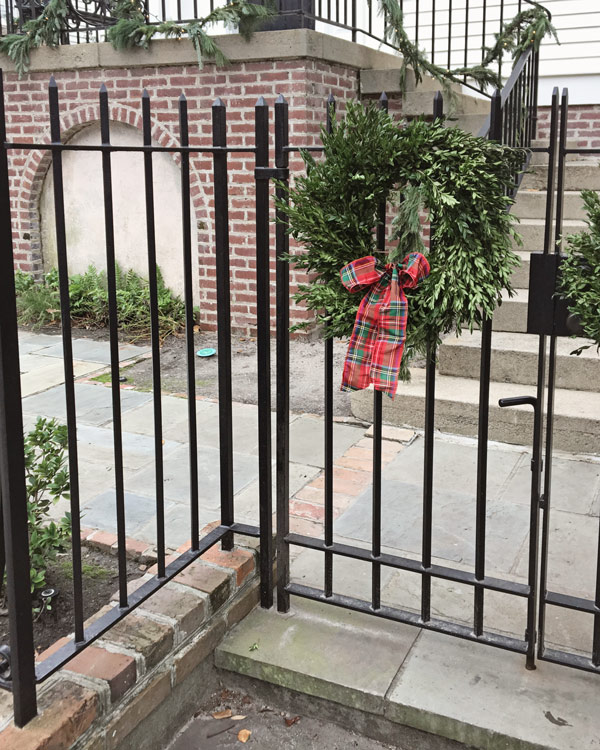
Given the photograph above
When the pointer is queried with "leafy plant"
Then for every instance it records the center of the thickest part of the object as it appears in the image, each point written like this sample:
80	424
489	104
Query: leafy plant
580	272
461	180
39	303
47	481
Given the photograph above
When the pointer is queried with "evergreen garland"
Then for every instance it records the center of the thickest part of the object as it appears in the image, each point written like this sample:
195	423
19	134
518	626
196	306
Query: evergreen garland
133	29
580	272
527	29
460	179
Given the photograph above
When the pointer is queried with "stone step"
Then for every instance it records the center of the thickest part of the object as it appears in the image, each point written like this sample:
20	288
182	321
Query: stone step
520	276
515	360
576	415
407	687
579	175
417	102
532	233
531	204
541	157
471	123
511	315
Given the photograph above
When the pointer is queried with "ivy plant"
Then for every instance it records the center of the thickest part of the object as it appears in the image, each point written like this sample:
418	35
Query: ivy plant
580	272
460	180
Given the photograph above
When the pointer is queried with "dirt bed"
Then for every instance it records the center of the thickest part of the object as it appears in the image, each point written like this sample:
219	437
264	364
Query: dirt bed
100	581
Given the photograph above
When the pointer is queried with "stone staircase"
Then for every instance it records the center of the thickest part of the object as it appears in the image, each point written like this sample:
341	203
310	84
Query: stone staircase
514	352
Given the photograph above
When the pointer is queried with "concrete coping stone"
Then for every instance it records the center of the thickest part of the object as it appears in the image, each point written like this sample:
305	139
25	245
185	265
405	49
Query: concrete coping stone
263	46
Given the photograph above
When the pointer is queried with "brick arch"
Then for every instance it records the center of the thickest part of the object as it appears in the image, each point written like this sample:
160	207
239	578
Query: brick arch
73	122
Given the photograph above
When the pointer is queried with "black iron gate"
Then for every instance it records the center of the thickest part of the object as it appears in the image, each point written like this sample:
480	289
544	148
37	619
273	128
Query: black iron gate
513	121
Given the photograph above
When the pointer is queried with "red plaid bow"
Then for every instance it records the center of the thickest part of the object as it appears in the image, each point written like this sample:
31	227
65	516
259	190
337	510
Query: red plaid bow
377	341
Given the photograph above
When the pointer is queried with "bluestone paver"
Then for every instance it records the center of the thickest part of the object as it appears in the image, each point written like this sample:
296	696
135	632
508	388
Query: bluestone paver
307	440
89	350
93	403
485	698
100	512
332	653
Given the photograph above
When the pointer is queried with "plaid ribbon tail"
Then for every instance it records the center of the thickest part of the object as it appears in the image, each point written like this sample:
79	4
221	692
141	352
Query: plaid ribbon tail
377	342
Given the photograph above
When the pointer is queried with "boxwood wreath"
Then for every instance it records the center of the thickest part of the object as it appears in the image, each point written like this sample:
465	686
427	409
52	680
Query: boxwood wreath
580	272
459	179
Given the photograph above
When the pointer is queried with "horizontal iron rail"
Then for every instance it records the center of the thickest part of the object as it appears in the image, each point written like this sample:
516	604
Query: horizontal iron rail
571	602
566	658
142	149
409	618
59	658
413	566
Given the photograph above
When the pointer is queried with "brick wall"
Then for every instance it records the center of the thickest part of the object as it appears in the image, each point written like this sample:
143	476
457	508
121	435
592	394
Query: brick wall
583	124
304	82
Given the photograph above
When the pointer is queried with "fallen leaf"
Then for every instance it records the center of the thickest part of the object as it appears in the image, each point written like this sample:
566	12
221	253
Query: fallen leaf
291	722
244	735
237	717
253	647
196	329
222	714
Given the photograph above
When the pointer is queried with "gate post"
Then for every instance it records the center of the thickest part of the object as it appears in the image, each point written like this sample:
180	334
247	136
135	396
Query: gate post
12	465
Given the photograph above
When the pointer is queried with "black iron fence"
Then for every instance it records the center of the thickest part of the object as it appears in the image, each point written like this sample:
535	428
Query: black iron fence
19	672
452	33
512	120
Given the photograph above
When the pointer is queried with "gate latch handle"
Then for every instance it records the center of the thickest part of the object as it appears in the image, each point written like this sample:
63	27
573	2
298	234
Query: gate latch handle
518	401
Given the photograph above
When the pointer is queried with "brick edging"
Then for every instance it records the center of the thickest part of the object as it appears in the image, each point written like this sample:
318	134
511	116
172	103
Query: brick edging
103	694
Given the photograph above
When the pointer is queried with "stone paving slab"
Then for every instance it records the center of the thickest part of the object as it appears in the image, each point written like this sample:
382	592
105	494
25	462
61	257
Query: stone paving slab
40	373
89	350
484	697
307	441
93	403
177	479
453	535
320	650
472	693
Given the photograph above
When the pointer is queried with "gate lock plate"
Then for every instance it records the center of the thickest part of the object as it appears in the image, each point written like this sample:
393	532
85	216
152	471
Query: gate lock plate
547	312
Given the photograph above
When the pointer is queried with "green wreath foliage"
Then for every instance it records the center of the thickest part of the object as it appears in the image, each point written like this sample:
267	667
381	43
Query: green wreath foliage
580	272
459	179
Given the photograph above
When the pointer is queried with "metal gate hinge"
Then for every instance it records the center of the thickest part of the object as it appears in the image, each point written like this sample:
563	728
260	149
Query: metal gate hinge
542	502
267	173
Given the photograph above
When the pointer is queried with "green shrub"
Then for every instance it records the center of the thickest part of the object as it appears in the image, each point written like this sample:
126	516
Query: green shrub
39	303
47	481
581	271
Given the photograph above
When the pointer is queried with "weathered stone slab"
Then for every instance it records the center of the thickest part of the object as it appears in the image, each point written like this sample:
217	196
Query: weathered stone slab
320	650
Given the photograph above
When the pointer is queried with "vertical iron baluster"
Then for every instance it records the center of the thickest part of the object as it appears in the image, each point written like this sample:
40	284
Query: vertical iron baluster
67	342
219	124
500	55
449	35
186	221
417	23
483	29
548	240
328	424
263	340
12	464
155	336
354	20
483	426
377	434
433	31
283	360
466	35
538	430
428	448
163	10
113	323
536	80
